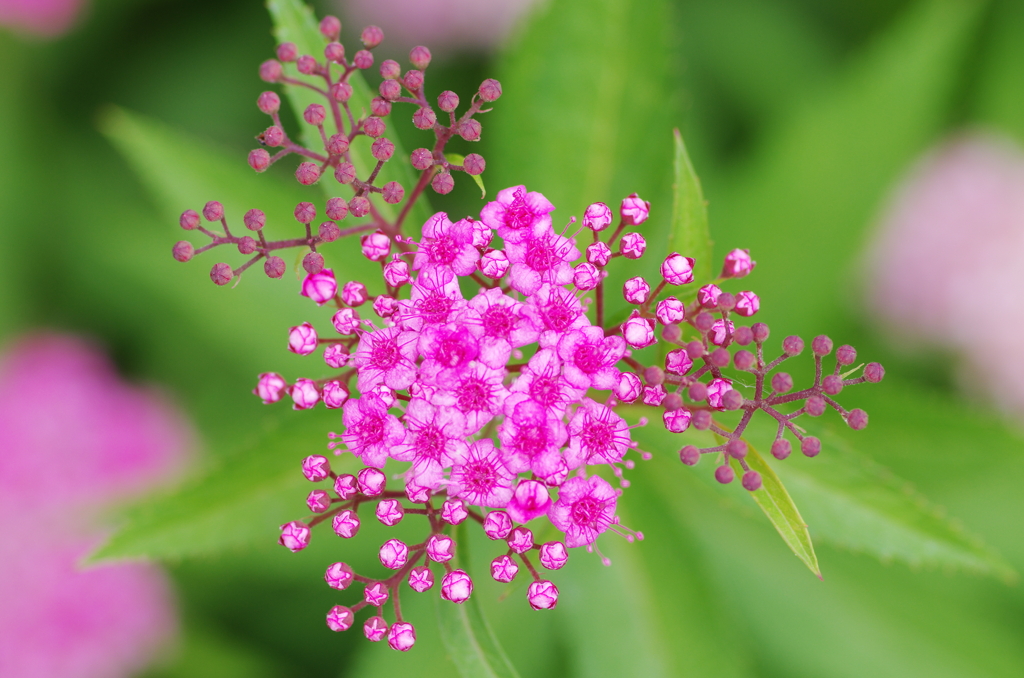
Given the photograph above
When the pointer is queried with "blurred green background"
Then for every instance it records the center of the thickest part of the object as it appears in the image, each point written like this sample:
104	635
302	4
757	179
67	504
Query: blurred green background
799	116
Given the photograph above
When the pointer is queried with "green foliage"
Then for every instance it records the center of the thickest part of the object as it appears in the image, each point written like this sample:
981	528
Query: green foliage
689	234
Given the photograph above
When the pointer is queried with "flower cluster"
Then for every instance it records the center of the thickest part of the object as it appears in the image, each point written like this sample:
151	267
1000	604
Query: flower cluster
486	379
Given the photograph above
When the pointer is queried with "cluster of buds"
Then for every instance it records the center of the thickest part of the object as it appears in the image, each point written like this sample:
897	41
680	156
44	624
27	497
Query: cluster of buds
485	377
337	129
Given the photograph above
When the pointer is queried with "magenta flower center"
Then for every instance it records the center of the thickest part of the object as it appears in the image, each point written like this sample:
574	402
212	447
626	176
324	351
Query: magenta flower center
443	250
435	308
480	477
473	395
430	443
586	511
597	436
498	321
385	354
546	390
540	255
589	358
369	429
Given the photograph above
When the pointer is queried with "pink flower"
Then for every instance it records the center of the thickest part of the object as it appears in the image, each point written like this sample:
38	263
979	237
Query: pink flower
447	244
590	358
448	348
540	258
531	438
542	595
596	436
517	214
542	381
501	323
320	287
477	392
386	356
435	439
531	500
559	311
370	432
585	508
481	478
434	299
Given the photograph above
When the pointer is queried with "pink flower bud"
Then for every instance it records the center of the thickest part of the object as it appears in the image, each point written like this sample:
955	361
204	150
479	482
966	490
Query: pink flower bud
346	524
345	173
482	233
751	481
346	321
469	130
271	71
553	555
259	159
747	304
313	262
254	219
542	595
497	525
442	183
457	586
346	486
189	220
857	419
635	290
385	306
318	501
417	494
394	554
419	57
376	246
520	540
632	245
453	511
474	164
447	101
846	354
330	27
424	118
354	293
380	107
375	628
294	536
413	81
359	206
341	92
792	346
781	448
302	339
628	388
269	102
654	394
315	114
316	468
336	356
396	273
708	295
340	618
634	211
494	264
738	264
376	593
490	90
270	387
334	52
677	269
273	136
637	331
671	311
339	576
362	59
421	158
393	193
213	211
390	512
390	90
287	51
246	245
374	127
676	421
717	389
183	251
598	254
721	332
306	64
678	361
307	173
598	217
371	37
586	276
371	481
421	579
382	149
440	548
386	395
530	500
504	569
401	636
320	287
304	394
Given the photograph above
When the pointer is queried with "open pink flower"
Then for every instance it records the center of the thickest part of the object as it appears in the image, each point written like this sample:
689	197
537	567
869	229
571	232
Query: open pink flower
518	214
596	435
370	432
481	478
386	357
501	323
531	438
435	439
585	508
447	244
590	357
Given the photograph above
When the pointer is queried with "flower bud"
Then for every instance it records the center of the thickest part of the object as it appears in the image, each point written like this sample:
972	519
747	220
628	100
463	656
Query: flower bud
334	395
213	211
421	158
346	321
394	554
390	69
474	164
183	251
634	211
375	628
340	618
469	130
598	254
677	269
313	262
494	264
497	525
304	394
318	501
792	346
520	540
732	400
302	339
374	127
421	579
382	149
413	81
721	332
354	293
781	382
390	512
453	511
306	65
747	304
698	391
307	173
738	264
857	419
815	406
586	276
259	159
810	446
346	524
270	387
744	360
337	209
653	395
635	290
598	217
708	295
504	569
315	114
294	536
542	595
328	231
874	372
320	287
371	37
346	486
341	92
637	331
362	59
678	361
440	548
287	51
189	220
371	481
846	354
419	57
821	345
628	388
401	636
273	136
490	90
376	246
221	274
832	384
716	390
670	311
781	449
334	52
316	468
751	481
677	420
393	193
457	586
442	183
632	245
447	101
553	555
724	474
689	455
271	71
396	273
390	90
269	102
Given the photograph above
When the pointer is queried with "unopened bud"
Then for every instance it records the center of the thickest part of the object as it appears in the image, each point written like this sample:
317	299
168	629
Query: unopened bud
447	101
313	262
183	251
307	173
221	274
306	65
374	127
371	37
274	267
632	245
246	245
345	173
341	92
334	52
470	130
359	206
269	102
634	210
443	183
490	90
413	80
271	71
362	59
598	217
287	51
424	118
315	114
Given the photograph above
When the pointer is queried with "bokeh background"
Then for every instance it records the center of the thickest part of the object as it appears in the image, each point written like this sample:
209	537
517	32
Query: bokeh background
867	152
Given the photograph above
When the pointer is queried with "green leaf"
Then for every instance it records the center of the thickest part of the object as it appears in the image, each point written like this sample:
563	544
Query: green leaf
858	504
470	642
294	22
457	159
690	235
239	503
781	510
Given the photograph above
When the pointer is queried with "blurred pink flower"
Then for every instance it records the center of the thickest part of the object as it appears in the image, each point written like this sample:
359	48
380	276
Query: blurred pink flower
947	263
46	18
73	436
442	25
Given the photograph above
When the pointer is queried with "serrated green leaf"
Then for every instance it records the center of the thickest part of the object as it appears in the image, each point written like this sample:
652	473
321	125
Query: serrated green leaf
294	22
689	235
471	644
457	159
240	502
781	510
